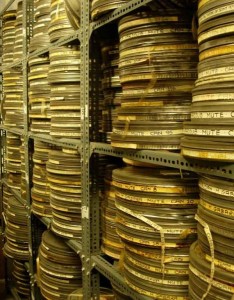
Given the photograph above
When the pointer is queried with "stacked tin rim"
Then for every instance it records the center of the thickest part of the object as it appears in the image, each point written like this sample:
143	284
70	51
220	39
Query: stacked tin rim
212	256
13	160
155	220
157	67
64	177
111	86
40	192
12	109
59	23
210	133
111	243
18	44
6	196
39	95
16	245
59	268
8	36
21	278
64	79
102	7
40	36
73	13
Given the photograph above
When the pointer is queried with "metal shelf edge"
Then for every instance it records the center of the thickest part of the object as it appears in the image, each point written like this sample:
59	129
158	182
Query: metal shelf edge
119	12
168	159
38	52
7	5
15	193
12	130
17	63
70	143
46	221
62	41
73	244
115	277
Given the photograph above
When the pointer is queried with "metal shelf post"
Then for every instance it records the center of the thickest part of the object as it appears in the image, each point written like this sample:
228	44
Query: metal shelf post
27	7
85	178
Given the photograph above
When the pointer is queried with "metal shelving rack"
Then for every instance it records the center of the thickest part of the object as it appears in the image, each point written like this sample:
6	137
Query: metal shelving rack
88	249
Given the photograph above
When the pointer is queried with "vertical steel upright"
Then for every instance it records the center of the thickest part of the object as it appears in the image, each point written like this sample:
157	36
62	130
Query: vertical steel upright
84	150
26	20
95	75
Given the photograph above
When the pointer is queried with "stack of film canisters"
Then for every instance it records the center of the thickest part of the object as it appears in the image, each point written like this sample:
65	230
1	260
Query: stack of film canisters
21	278
39	95
157	68
18	45
8	36
59	268
40	36
64	178
111	86
111	243
40	192
64	79
12	106
13	160
210	133
155	220
59	24
16	245
6	196
214	250
102	7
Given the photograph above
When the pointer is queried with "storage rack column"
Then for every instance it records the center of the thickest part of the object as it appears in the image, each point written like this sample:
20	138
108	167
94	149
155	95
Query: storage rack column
84	150
27	21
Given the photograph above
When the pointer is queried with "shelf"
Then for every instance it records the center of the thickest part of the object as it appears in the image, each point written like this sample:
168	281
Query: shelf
168	159
39	52
119	12
12	130
17	63
62	41
7	5
16	193
73	244
115	277
46	221
69	143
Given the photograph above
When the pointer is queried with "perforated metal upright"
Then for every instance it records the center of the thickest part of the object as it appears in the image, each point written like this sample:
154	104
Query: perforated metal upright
84	149
27	21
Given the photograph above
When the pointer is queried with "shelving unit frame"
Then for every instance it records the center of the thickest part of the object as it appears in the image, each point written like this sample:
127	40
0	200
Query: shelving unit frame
88	249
